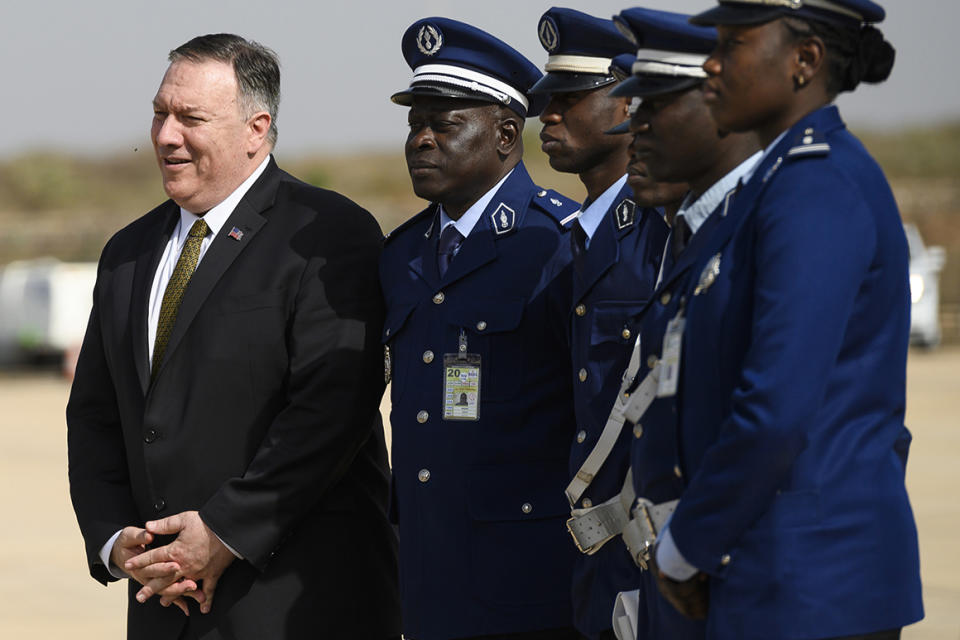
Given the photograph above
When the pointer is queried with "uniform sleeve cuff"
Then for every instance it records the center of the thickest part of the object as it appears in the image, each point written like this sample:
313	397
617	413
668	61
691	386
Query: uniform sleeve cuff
671	561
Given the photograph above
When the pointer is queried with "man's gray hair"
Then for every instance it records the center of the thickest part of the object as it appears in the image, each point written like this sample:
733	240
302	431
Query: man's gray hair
257	69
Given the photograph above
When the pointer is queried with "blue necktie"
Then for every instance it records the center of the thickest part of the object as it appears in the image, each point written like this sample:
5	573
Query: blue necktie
450	239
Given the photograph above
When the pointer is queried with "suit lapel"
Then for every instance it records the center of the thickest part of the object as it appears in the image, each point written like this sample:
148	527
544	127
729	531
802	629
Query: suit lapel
154	242
603	253
223	251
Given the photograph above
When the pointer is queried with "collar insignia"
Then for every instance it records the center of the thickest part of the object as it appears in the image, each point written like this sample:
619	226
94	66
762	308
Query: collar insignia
625	213
503	218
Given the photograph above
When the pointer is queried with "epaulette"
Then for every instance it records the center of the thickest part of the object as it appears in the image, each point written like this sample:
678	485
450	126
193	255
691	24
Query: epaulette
561	208
809	143
426	213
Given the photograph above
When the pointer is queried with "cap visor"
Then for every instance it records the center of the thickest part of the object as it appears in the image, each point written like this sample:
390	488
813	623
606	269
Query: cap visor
620	129
568	82
640	86
735	14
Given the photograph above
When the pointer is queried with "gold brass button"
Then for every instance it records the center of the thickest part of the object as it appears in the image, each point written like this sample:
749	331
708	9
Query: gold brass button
626	334
481	325
428	356
651	361
582	375
422	417
677	472
526	507
424	475
638	431
581	310
587	503
664	299
439	298
725	559
581	436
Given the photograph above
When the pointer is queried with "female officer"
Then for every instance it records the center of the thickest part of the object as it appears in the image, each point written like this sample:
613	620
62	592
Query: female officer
795	521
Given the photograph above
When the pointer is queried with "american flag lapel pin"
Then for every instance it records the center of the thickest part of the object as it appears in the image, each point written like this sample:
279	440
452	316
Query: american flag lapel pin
236	234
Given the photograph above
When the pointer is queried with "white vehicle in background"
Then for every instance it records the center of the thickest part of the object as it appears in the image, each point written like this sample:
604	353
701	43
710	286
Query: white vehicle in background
925	266
44	307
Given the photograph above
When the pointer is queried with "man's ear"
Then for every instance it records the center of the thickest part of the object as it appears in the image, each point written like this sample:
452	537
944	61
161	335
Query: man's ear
258	126
509	132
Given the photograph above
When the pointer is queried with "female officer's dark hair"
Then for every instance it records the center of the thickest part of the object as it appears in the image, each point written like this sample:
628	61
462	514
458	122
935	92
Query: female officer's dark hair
854	54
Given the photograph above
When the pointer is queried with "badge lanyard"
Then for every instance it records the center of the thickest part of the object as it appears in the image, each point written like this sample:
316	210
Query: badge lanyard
461	383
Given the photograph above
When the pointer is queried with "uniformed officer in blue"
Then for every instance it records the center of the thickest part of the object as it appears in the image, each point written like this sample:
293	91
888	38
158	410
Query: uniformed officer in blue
616	248
477	485
787	352
676	137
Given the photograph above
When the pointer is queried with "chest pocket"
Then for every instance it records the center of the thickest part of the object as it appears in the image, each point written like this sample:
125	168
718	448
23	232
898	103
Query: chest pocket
396	324
492	328
611	319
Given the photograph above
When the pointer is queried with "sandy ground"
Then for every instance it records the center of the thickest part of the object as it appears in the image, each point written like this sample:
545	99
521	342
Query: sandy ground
45	591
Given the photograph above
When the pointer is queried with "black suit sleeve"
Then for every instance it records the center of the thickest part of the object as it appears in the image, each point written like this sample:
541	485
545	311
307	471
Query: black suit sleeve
98	471
334	385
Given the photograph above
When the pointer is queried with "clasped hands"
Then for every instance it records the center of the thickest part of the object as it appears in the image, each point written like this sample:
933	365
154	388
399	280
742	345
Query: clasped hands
188	567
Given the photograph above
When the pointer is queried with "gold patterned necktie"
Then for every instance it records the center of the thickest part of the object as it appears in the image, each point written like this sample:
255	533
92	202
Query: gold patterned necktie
173	294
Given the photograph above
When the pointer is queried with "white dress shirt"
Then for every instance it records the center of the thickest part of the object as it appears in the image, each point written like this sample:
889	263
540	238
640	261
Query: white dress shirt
215	219
471	216
591	217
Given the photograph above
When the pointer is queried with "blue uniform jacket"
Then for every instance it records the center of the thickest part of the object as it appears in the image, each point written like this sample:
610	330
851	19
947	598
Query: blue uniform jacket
480	504
788	436
611	281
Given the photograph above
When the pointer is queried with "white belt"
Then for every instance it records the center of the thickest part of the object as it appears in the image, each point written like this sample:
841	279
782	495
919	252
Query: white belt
627	406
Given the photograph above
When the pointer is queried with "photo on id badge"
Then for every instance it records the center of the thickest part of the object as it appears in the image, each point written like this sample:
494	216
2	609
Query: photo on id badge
461	386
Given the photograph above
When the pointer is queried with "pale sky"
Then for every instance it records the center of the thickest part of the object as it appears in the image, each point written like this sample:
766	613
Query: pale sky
81	73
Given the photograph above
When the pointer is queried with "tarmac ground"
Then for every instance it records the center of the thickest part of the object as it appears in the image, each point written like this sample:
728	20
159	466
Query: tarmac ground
46	592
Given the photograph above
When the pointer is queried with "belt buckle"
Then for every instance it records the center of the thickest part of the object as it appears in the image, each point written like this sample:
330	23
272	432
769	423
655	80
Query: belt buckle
576	541
643	555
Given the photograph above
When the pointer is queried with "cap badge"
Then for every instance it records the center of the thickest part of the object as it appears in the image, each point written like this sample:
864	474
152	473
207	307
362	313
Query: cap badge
549	36
709	275
429	40
625	214
503	218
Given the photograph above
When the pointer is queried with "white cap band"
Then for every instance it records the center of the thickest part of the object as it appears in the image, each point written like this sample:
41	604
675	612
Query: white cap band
826	5
578	64
670	63
468	79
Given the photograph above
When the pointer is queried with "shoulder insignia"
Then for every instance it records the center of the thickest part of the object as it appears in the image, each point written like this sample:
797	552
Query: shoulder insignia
556	205
625	213
503	218
570	218
810	143
405	225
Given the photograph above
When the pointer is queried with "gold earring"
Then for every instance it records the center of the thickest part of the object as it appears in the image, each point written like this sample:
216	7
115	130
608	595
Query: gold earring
800	80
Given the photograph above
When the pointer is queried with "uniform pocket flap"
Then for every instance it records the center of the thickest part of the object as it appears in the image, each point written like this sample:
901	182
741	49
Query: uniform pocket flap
491	316
518	492
610	319
396	317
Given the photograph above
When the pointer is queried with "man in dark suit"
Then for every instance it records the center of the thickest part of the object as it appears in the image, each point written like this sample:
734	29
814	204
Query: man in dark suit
227	392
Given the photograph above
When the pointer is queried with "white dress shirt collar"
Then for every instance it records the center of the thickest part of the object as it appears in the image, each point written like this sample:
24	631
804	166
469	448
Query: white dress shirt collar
696	212
217	216
469	219
591	217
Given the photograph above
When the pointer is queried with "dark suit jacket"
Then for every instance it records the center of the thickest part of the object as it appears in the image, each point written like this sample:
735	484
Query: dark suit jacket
264	416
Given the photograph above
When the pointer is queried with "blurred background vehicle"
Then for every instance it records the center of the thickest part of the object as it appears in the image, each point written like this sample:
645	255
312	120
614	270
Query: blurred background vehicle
44	304
926	263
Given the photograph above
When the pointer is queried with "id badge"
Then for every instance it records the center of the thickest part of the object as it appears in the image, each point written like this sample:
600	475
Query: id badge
670	362
461	386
